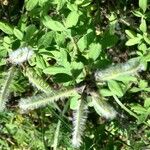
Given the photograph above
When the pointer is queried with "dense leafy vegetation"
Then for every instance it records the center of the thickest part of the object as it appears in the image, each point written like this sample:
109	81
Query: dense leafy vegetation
74	74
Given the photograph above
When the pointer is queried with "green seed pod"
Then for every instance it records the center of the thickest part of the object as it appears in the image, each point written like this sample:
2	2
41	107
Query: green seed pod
5	88
102	107
37	81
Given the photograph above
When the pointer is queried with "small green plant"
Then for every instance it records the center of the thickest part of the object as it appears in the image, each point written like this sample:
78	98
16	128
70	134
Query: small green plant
76	69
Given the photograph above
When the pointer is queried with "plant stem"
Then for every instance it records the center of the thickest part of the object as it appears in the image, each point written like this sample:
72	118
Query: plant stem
55	144
124	107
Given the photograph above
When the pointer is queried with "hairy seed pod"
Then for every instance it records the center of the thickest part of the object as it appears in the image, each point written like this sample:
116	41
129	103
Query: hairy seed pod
42	100
102	107
5	88
37	81
20	55
130	67
79	122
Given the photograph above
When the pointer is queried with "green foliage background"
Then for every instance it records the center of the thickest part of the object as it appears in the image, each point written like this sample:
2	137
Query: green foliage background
71	39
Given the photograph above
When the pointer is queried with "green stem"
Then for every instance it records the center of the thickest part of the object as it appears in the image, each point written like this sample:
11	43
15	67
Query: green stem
124	107
56	137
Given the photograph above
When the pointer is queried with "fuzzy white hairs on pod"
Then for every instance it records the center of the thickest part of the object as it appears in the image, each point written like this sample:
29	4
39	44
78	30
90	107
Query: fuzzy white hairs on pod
4	92
79	122
20	55
37	81
42	100
131	67
102	107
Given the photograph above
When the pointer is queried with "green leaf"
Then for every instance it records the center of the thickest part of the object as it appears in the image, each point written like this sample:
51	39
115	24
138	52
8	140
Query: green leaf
105	92
6	28
18	34
112	23
86	40
60	38
64	59
142	47
3	62
115	88
133	41
143	26
60	4
46	39
72	19
7	40
138	109
77	71
45	53
137	13
142	118
52	24
77	65
74	101
108	40
135	89
3	53
130	34
143	84
42	2
143	5
30	30
40	62
31	4
55	70
147	89
62	78
72	7
126	78
147	102
94	50
147	39
82	43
